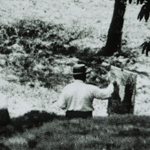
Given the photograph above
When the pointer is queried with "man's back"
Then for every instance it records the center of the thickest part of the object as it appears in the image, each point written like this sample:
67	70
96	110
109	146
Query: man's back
78	96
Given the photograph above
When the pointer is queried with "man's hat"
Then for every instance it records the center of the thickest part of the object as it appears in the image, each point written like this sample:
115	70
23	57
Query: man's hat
79	69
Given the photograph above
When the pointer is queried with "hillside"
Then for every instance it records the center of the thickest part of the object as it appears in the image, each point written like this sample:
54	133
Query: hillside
85	24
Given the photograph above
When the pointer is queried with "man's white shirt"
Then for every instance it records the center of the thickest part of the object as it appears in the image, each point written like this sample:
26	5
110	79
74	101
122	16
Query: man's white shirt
79	96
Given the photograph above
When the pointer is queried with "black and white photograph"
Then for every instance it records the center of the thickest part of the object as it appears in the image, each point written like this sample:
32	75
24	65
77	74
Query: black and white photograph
74	75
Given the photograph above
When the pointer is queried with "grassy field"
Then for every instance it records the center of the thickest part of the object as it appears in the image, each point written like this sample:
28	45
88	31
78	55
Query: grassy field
40	40
104	133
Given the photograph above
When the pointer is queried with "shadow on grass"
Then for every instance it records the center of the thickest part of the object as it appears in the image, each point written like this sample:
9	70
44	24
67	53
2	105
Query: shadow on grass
29	120
4	147
97	132
37	118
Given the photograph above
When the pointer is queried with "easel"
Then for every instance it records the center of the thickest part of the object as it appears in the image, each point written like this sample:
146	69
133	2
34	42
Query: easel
122	100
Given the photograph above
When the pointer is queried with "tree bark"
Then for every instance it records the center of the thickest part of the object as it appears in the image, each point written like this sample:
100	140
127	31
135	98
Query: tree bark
114	37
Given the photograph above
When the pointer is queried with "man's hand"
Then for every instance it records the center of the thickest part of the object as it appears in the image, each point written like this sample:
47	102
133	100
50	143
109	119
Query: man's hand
115	83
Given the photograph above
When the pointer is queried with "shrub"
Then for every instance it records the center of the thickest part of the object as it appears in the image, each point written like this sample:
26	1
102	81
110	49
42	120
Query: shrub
31	46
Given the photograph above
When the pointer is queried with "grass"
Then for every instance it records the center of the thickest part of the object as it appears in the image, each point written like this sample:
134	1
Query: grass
110	133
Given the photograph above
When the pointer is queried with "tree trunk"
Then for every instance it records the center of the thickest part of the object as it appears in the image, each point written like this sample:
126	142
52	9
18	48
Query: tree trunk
114	37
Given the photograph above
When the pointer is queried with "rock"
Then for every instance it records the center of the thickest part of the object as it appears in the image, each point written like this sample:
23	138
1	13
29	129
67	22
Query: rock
4	117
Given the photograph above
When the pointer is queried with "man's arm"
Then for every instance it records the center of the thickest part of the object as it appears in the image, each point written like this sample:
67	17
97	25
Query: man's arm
103	93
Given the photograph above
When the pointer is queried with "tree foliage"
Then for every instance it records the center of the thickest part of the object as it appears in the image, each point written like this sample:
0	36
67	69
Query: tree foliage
144	14
146	47
145	9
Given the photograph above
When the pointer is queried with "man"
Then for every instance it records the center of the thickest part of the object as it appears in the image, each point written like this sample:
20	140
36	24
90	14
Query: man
77	97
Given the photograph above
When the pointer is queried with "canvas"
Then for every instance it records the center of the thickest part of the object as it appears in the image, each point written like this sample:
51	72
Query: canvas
123	97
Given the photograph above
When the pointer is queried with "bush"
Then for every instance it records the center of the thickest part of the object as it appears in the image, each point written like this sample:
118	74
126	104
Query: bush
31	46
